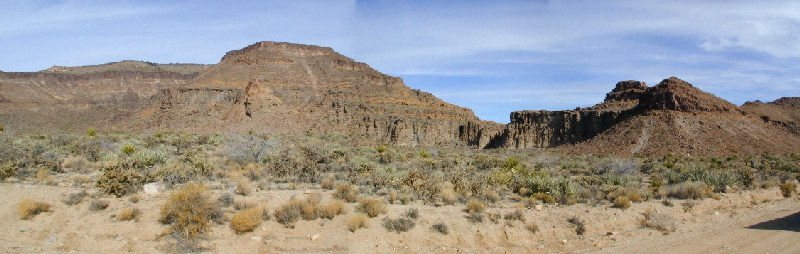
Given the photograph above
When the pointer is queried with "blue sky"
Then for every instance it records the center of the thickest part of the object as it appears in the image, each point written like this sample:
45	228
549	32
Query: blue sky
491	56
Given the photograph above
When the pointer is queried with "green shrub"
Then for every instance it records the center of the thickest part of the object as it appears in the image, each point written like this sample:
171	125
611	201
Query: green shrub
128	149
120	180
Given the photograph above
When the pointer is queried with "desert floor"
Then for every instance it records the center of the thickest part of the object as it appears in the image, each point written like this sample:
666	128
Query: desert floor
759	221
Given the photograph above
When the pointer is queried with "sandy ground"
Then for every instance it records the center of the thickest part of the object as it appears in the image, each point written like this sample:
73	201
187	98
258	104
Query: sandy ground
758	221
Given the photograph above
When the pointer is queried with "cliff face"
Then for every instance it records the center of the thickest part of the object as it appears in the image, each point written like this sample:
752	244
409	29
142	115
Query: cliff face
553	128
672	117
294	88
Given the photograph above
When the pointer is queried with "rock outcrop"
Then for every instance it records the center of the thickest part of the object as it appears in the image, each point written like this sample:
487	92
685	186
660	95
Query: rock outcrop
783	112
272	87
672	117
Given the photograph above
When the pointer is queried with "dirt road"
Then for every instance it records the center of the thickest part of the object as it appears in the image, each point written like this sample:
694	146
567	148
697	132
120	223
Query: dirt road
774	230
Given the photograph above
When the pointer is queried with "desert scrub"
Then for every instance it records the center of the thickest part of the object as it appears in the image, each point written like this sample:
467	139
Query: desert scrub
532	227
247	220
76	164
448	194
441	228
580	225
399	225
475	206
74	198
622	202
517	214
372	206
357	221
119	180
98	205
290	212
346	192
331	209
243	187
788	189
689	190
328	183
29	208
659	221
128	149
8	169
129	213
189	211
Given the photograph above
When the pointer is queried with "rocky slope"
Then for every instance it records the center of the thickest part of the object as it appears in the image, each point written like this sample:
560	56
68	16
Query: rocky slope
672	117
783	112
274	87
75	98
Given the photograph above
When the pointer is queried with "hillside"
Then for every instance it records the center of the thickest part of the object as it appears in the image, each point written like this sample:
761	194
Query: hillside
673	117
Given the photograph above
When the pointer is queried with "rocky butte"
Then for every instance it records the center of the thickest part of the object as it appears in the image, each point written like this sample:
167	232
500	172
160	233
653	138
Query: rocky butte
287	88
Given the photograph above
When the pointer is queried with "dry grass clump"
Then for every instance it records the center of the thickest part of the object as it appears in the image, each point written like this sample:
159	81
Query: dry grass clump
188	211
129	213
310	210
29	208
448	194
346	192
441	228
622	202
331	209
491	196
659	221
372	206
243	204
290	212
633	194
74	198
788	189
532	227
580	225
517	214
545	198
357	221
43	175
392	197
243	187
119	181
247	220
690	190
98	205
76	163
328	183
475	206
314	197
412	213
399	225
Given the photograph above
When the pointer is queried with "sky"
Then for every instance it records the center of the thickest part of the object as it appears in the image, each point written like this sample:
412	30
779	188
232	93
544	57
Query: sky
493	57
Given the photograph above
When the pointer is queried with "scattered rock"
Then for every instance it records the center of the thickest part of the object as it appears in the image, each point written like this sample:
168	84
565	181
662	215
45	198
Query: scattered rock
313	237
564	242
255	238
538	207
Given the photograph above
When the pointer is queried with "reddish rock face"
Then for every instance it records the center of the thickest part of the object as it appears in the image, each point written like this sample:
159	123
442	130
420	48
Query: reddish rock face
678	95
672	117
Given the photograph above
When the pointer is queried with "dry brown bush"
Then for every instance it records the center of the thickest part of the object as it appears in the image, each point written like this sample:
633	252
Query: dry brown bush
622	202
331	209
580	225
788	189
659	220
690	190
441	228
243	187
76	164
532	227
247	220
475	206
129	213
544	197
189	211
357	221
399	225
372	206
328	183
98	205
346	192
29	208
